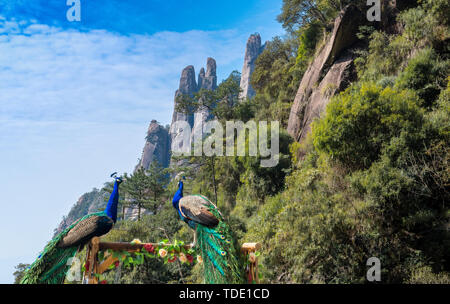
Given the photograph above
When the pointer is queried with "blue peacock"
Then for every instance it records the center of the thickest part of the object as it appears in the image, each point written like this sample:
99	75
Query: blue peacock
213	238
52	266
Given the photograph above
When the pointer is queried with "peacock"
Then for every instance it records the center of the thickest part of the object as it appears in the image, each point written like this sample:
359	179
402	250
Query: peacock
52	264
213	238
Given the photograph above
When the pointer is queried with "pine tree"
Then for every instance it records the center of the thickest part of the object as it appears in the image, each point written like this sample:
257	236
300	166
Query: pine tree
158	179
145	188
137	191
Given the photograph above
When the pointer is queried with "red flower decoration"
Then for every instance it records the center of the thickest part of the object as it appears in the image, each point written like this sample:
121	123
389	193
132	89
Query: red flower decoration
149	248
190	258
103	282
116	263
86	266
171	260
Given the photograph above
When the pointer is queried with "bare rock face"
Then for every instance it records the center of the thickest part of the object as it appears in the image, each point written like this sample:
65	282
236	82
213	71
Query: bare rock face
88	203
253	50
330	72
157	146
132	213
188	86
337	79
207	81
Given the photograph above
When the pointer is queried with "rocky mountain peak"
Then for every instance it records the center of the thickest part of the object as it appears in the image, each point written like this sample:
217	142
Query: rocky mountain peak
188	85
211	67
252	52
208	80
157	146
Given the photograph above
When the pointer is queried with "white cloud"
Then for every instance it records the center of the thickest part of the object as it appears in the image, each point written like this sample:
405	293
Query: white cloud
47	73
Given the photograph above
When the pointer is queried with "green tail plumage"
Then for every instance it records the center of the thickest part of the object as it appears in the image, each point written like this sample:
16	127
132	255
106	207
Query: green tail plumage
51	267
221	259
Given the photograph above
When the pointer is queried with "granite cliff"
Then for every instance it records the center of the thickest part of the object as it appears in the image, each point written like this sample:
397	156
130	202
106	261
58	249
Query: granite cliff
252	52
330	72
157	146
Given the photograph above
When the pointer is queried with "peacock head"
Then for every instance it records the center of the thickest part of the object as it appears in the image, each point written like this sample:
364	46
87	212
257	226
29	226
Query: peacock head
117	179
180	183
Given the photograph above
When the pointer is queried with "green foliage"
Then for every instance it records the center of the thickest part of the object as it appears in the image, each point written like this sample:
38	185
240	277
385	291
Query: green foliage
308	38
425	275
144	188
389	54
275	79
384	57
363	119
425	74
222	103
308	231
20	271
259	182
426	25
299	13
374	184
439	8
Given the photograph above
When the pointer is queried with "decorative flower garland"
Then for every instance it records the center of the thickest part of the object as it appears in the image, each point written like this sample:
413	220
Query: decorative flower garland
170	254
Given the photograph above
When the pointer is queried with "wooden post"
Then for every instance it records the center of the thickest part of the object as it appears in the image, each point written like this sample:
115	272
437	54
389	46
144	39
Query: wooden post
250	247
106	263
252	270
94	248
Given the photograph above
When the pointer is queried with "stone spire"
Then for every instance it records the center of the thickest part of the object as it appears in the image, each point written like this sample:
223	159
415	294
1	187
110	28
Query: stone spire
188	86
252	51
157	147
207	81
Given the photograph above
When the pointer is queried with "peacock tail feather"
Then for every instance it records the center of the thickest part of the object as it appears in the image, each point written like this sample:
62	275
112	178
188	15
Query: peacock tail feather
51	266
217	246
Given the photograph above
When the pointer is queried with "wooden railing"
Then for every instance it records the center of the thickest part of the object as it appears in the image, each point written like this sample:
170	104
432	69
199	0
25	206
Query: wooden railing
96	267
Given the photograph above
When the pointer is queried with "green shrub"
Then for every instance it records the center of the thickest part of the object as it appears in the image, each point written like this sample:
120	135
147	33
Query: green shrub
307	230
425	74
363	119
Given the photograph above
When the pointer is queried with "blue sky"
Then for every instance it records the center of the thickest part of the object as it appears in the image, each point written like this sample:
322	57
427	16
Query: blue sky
76	98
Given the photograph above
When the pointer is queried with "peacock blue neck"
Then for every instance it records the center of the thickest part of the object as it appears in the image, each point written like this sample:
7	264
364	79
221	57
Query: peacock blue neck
178	196
111	207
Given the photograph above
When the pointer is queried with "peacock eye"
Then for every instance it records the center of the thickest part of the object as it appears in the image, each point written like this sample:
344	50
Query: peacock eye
223	253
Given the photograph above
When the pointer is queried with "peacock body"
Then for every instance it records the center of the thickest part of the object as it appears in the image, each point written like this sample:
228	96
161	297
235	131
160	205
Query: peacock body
215	241
53	263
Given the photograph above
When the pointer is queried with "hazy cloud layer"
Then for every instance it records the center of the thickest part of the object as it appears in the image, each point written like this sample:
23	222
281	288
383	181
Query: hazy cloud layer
50	74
